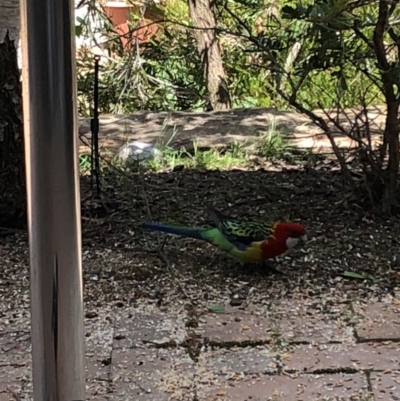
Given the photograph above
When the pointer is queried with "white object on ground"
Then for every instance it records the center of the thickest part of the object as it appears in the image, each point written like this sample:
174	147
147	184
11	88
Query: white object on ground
137	151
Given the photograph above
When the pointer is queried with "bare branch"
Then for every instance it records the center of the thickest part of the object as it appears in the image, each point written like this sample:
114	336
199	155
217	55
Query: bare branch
325	127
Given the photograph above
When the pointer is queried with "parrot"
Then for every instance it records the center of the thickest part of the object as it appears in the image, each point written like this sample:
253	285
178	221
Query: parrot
247	241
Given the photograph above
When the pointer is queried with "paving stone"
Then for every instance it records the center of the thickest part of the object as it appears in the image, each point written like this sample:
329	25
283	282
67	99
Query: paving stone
247	360
365	356
302	388
26	396
381	321
309	324
97	369
20	323
27	391
386	385
14	378
15	366
99	332
136	328
99	329
23	396
8	394
15	349
234	326
97	390
147	374
15	362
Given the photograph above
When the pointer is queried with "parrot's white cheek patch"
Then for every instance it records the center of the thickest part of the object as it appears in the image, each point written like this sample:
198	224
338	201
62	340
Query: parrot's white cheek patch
292	242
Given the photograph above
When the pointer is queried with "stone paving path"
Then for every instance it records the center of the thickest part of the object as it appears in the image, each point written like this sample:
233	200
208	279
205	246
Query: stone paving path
240	355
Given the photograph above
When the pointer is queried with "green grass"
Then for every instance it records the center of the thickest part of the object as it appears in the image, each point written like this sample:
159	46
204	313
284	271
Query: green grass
84	163
235	155
273	144
198	158
270	146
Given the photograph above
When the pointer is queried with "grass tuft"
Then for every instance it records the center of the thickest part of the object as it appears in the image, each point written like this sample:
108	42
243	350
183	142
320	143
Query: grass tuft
271	146
85	163
234	155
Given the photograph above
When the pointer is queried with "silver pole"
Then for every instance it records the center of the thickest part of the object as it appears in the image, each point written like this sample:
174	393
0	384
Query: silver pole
50	124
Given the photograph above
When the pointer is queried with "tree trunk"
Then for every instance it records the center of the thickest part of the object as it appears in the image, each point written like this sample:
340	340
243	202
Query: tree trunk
392	129
208	48
12	170
389	76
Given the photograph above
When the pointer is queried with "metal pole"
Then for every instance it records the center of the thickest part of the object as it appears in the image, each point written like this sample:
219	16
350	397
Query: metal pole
94	127
50	124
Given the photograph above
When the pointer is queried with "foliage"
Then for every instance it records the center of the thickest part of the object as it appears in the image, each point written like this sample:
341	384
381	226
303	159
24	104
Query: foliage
333	54
282	45
160	75
85	163
166	74
324	54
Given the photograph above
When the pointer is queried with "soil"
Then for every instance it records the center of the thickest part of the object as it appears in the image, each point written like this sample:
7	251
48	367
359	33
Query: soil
341	236
218	129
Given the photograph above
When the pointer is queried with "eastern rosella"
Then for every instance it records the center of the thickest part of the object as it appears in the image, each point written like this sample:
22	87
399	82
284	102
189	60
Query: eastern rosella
247	241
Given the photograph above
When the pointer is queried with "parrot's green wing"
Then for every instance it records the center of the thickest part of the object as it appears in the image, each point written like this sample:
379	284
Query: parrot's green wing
241	233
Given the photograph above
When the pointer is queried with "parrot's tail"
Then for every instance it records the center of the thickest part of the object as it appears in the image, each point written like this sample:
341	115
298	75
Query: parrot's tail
190	232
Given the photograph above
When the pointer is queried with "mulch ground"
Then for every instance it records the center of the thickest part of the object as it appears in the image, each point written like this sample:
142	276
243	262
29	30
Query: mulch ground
339	239
210	327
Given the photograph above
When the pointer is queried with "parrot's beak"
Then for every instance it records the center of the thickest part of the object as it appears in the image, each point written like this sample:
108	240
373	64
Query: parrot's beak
304	238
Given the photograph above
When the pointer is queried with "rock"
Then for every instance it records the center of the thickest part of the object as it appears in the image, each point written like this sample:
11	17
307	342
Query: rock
133	152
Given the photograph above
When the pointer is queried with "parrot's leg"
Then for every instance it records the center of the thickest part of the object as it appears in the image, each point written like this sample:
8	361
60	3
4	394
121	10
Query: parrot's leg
160	252
275	271
262	268
214	260
271	268
161	248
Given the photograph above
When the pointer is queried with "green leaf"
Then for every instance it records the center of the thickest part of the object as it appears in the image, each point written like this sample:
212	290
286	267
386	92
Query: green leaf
217	308
78	30
353	275
358	276
290	12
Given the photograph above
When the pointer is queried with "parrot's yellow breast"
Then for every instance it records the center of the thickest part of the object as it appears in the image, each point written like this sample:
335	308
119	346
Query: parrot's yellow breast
252	254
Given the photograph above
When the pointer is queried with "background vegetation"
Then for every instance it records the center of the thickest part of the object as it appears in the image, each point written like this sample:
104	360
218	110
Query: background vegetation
164	74
325	54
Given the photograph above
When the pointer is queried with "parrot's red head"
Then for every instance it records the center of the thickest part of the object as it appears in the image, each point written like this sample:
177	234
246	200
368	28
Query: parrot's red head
285	237
290	233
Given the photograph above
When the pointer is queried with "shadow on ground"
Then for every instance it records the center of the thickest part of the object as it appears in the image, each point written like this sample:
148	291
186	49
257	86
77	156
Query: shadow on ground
340	239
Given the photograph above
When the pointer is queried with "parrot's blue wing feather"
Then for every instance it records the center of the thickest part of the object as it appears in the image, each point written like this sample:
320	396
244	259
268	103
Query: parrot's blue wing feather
239	245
